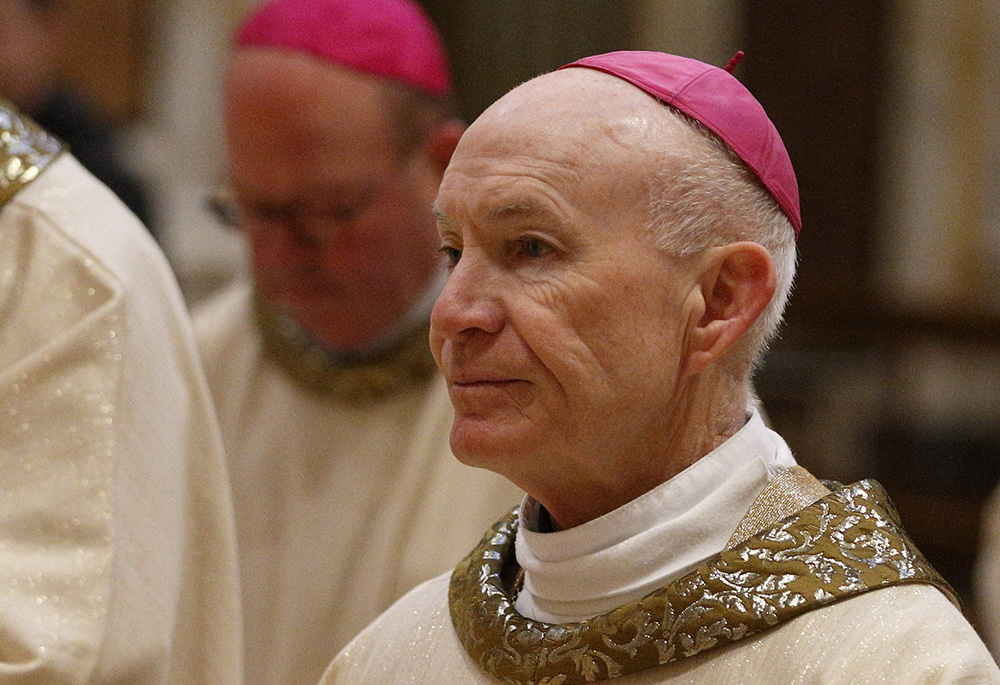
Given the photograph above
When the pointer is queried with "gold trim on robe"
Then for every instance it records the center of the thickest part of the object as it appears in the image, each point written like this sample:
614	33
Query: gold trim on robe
788	492
846	543
25	151
365	379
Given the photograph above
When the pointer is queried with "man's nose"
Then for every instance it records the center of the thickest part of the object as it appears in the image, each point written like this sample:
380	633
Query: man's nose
470	302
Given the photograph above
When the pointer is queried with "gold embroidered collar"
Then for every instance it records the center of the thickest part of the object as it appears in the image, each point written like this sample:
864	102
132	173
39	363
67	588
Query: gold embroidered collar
359	379
844	544
26	150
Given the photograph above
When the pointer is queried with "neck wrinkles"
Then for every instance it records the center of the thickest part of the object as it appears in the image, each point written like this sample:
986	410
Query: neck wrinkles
581	572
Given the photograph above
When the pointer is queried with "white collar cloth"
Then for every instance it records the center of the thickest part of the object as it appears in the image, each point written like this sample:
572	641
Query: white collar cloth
576	574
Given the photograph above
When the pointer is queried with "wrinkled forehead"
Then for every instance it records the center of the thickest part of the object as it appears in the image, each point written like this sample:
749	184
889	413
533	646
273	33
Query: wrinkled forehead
579	143
576	121
566	106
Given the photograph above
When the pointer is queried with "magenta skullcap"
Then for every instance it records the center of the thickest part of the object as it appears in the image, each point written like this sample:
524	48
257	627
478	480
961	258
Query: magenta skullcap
391	39
714	97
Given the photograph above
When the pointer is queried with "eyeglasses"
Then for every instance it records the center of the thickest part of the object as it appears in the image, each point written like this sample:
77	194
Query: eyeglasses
310	225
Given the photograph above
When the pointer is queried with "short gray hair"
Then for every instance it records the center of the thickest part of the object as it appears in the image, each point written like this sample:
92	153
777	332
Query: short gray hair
715	199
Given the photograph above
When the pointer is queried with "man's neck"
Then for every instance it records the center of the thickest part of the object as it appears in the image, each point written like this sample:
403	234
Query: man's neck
707	412
679	524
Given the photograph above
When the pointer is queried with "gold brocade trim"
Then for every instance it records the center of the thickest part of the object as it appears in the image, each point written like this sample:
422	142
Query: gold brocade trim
26	150
790	491
847	543
362	380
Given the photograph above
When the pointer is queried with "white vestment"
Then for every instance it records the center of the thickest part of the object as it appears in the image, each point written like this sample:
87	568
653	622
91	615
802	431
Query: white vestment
900	634
341	507
117	547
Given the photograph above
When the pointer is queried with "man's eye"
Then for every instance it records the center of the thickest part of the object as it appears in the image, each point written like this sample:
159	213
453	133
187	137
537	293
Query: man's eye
452	254
534	247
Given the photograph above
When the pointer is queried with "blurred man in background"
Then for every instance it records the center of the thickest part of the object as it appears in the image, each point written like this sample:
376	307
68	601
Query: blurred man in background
339	126
33	34
119	554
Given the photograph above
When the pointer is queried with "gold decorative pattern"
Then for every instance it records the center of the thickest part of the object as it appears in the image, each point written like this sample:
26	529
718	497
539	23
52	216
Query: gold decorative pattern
364	379
788	492
25	151
844	544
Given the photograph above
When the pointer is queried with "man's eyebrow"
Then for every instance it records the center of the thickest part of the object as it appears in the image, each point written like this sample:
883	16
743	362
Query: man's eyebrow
509	211
441	217
521	209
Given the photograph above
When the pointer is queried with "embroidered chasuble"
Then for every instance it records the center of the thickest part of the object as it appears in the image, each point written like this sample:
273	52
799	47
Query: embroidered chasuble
345	489
845	544
118	559
809	583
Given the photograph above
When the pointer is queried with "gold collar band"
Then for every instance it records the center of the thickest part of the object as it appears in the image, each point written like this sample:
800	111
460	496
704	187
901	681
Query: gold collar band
844	544
26	150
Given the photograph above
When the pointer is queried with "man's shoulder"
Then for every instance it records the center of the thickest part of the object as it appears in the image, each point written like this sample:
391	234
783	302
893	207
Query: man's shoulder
412	641
911	633
898	634
422	612
424	603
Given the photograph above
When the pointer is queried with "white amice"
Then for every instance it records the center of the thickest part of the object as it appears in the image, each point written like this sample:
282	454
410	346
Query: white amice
575	574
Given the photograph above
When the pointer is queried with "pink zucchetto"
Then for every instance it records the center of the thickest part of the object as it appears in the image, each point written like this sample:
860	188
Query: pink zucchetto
714	97
391	39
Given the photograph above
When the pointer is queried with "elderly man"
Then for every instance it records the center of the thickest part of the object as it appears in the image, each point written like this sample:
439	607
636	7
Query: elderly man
118	559
334	418
621	241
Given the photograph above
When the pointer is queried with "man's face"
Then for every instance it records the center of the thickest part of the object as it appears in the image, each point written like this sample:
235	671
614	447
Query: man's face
338	218
560	330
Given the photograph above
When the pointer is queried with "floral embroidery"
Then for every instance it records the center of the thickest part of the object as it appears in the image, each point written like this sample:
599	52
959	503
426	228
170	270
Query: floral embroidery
25	151
844	544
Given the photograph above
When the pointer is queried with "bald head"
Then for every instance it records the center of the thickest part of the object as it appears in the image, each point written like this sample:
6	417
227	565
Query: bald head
592	107
597	128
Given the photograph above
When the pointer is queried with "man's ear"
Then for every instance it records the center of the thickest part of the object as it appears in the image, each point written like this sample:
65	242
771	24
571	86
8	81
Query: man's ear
736	284
441	142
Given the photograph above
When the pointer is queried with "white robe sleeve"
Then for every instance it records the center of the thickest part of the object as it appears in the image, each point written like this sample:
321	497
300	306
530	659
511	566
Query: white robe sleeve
117	557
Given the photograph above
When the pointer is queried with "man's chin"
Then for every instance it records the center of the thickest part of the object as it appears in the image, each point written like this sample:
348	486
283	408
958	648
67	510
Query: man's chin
481	443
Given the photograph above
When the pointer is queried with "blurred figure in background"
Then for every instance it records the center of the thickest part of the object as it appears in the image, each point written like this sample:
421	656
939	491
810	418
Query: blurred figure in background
335	421
32	34
119	559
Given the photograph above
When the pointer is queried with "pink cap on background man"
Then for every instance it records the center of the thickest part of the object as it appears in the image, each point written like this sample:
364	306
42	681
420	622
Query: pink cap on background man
714	97
391	39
